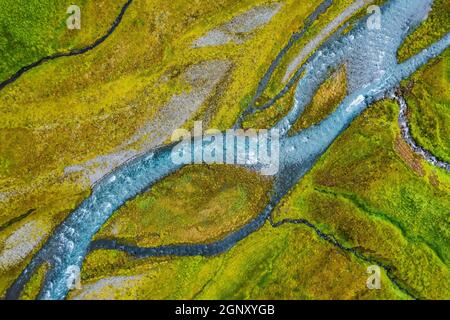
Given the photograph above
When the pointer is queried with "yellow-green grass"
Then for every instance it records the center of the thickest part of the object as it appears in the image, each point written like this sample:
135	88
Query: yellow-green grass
432	29
429	107
31	30
372	199
289	262
197	204
267	118
72	118
335	9
373	195
329	95
33	287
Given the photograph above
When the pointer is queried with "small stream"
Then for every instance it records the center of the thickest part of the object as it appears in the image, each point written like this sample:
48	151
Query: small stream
74	52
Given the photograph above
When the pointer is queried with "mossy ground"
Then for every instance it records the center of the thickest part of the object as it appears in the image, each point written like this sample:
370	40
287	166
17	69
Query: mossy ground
375	196
429	107
328	97
33	29
209	203
73	109
433	28
32	288
289	262
380	199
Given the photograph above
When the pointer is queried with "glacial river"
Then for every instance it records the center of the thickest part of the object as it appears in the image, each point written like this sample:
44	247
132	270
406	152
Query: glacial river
372	71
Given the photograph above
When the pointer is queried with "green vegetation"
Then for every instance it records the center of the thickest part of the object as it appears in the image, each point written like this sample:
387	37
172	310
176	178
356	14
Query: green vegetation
74	109
59	201
33	29
32	288
289	262
196	204
327	98
429	103
431	30
382	200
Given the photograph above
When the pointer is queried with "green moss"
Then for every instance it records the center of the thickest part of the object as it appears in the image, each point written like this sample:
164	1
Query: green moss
33	287
196	204
49	210
429	103
379	200
431	30
288	262
327	98
336	8
71	110
266	119
33	29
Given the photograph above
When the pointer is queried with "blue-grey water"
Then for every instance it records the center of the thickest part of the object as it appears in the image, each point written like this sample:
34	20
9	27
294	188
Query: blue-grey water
372	70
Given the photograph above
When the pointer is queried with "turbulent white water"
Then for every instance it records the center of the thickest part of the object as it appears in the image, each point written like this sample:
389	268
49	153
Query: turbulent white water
370	56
